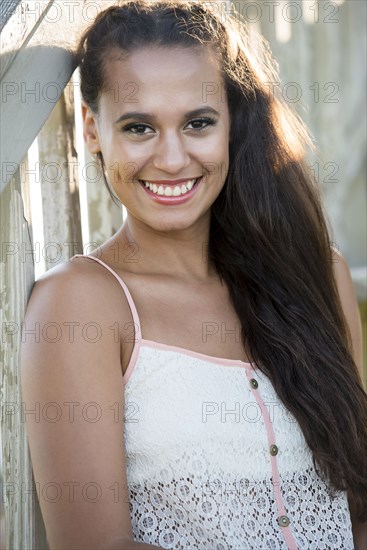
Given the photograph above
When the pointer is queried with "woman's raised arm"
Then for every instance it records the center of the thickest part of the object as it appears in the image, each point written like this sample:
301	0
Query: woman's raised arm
71	378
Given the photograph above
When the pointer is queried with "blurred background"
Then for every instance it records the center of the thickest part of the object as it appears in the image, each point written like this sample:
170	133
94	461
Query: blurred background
53	200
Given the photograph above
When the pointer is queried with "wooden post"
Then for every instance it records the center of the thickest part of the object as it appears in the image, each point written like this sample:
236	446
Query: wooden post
59	184
23	522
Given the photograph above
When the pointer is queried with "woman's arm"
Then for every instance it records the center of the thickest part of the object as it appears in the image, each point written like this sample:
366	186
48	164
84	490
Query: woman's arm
350	306
351	312
71	376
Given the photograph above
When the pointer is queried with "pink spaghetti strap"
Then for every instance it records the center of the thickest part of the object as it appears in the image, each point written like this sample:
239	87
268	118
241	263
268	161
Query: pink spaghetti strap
137	328
124	287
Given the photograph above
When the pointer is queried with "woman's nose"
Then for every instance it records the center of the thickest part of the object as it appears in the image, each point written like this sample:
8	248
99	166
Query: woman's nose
170	154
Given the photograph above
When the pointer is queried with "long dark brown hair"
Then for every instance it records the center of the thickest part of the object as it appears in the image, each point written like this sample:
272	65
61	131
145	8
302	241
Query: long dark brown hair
269	236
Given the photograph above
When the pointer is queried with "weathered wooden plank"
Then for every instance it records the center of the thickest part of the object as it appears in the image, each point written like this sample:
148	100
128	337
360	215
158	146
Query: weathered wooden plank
36	78
7	8
19	28
104	217
16	269
29	91
58	177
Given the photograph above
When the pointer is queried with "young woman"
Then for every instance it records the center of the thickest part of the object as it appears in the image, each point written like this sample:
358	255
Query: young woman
204	390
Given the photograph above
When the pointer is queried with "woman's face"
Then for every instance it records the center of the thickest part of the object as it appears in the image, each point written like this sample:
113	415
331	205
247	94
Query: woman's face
163	120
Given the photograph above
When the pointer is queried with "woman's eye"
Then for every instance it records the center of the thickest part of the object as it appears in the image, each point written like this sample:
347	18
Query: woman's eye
206	121
198	125
132	127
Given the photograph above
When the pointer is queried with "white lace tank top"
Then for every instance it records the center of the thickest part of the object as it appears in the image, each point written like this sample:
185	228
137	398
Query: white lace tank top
215	461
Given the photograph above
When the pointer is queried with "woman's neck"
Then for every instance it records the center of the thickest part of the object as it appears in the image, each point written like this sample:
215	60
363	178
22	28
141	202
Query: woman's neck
181	253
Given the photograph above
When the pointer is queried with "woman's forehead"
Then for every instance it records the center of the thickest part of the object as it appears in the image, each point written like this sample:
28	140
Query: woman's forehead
170	72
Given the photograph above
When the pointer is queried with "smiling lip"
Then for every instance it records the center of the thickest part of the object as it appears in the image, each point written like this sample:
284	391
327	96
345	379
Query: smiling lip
162	199
171	182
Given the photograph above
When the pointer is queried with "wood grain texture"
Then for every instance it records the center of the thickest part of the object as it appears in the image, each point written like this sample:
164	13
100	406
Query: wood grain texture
38	63
19	28
21	508
7	8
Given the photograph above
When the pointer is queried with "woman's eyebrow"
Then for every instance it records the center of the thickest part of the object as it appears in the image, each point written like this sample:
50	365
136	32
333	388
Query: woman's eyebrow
148	116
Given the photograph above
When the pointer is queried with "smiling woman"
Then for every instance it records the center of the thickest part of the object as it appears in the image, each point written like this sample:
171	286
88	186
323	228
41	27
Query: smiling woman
223	368
167	139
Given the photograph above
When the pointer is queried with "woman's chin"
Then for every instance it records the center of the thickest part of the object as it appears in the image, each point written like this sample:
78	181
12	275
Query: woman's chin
170	225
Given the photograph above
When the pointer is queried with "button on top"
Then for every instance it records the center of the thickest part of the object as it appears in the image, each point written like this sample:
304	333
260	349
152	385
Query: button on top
283	521
273	450
254	383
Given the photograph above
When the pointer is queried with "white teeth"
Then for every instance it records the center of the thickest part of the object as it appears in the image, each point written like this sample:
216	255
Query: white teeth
168	191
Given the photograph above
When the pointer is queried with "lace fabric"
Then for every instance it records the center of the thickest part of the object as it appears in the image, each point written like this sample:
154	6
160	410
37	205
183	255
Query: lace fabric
199	463
223	514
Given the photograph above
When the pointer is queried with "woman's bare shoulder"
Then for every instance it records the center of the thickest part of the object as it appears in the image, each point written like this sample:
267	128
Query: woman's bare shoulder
80	284
76	271
81	301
